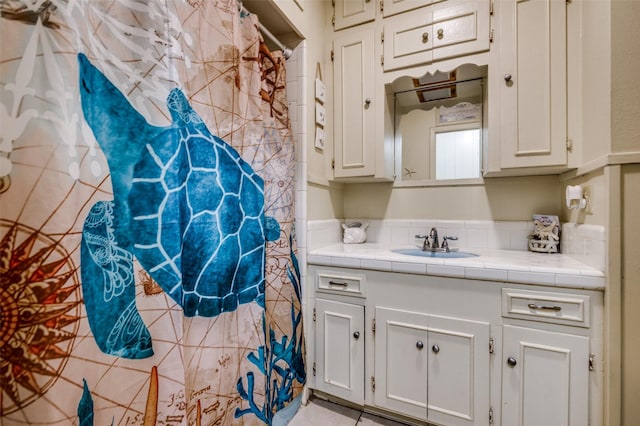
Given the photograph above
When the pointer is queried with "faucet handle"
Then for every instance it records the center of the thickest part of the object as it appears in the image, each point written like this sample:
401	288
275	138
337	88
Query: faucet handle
445	244
425	242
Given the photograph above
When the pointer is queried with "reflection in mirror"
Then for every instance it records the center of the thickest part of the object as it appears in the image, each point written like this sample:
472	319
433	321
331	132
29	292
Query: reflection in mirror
439	125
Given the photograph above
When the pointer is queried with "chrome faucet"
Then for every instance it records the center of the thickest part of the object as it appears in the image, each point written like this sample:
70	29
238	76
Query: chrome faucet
431	242
433	238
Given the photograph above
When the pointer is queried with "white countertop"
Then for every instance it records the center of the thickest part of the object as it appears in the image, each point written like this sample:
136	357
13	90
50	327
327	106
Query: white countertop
517	266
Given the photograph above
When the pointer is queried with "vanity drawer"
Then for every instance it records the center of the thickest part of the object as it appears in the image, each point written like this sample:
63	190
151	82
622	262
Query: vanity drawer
558	308
348	284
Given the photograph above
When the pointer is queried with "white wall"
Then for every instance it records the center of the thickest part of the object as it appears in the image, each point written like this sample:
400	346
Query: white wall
630	295
625	87
516	198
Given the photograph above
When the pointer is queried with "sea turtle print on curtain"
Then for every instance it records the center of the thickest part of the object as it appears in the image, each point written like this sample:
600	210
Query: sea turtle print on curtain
96	331
185	204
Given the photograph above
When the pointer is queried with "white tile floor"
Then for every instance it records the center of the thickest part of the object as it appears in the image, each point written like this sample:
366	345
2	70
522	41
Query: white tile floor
322	413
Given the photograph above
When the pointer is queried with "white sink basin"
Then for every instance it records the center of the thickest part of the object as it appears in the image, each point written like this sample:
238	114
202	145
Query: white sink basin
436	254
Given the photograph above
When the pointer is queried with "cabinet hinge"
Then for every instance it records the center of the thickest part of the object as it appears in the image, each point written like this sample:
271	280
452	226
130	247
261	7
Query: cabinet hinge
490	415
314	314
491	36
373	325
333	16
492	343
382	60
382	36
333	164
331	55
381	5
373	384
569	144
592	362
491	8
314	368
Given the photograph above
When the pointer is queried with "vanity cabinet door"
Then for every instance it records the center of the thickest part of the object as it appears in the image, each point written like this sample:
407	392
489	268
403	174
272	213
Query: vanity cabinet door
545	378
354	103
348	13
533	90
401	361
340	349
432	368
458	374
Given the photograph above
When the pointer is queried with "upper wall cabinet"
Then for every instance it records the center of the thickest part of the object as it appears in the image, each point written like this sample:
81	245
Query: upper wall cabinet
370	46
348	13
533	83
436	32
354	103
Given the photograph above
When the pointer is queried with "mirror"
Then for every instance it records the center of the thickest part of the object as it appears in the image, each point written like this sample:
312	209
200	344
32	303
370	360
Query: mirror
438	125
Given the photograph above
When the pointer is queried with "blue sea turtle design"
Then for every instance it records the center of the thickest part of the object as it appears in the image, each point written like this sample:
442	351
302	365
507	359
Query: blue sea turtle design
185	205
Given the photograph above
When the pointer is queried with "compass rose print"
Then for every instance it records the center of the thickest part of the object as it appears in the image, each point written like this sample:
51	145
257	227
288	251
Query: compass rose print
39	308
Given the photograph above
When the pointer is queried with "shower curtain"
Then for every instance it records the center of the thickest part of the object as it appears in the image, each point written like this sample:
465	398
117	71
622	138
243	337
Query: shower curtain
147	242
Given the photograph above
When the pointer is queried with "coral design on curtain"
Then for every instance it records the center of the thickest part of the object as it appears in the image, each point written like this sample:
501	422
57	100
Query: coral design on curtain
147	241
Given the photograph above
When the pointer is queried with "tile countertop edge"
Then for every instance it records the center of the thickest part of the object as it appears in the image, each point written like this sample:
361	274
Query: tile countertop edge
517	266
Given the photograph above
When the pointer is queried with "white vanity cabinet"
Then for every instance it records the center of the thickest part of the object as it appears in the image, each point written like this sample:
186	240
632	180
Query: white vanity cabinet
431	367
546	366
339	322
545	378
452	351
340	349
532	84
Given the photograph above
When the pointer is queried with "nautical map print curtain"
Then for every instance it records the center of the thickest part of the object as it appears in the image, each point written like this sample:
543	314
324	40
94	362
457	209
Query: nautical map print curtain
148	260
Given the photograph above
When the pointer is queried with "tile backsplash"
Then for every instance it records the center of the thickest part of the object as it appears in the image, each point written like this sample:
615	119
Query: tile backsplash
585	243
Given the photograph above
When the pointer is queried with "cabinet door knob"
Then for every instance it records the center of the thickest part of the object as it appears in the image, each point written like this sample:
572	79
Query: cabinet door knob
419	345
440	34
425	37
356	335
367	102
435	349
507	77
511	361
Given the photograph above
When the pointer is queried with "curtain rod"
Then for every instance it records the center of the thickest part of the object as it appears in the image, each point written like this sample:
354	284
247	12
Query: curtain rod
285	50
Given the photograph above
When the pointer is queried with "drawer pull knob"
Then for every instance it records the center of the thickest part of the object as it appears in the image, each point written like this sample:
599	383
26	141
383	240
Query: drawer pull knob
338	283
419	345
356	335
554	308
425	37
435	349
511	361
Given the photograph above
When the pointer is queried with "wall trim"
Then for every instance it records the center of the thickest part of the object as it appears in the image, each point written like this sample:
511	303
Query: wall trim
317	180
610	159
